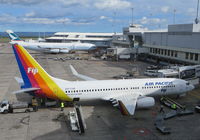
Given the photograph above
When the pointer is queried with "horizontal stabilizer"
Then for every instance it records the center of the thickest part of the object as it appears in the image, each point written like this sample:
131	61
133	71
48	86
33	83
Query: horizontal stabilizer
25	90
19	80
84	77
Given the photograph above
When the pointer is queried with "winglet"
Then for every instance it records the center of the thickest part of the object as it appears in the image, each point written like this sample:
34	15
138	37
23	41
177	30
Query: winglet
84	77
73	70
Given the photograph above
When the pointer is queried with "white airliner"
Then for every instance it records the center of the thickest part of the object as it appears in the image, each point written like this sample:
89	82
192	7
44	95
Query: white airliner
127	94
50	47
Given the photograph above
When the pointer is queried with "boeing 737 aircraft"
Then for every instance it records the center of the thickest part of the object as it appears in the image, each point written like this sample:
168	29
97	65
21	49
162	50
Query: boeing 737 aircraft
51	47
127	94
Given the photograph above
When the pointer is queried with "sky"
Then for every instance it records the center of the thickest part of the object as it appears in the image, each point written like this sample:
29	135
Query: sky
93	15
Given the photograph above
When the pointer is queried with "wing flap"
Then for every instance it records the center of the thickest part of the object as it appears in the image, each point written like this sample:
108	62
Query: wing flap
127	107
126	102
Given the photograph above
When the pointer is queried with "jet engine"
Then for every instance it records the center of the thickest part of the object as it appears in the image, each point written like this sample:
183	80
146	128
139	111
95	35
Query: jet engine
145	102
54	50
59	51
64	51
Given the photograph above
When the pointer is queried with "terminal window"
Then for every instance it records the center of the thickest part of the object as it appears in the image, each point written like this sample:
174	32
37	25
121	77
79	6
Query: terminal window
158	51
168	53
196	57
172	53
162	51
186	55
191	56
151	50
175	54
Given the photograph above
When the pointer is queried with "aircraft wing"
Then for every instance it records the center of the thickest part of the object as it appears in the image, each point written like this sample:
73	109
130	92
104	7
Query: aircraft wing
126	102
25	90
84	77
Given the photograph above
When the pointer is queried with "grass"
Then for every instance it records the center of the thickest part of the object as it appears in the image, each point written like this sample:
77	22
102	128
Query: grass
4	40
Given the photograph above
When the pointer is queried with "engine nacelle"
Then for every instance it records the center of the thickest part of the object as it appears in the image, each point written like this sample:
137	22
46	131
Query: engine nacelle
54	50
64	51
145	102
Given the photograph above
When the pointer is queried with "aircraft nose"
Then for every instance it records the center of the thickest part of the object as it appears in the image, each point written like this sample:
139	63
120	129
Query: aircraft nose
191	87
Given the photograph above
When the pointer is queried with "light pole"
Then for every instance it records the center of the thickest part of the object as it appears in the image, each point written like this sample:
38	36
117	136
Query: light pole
114	20
174	16
197	17
132	15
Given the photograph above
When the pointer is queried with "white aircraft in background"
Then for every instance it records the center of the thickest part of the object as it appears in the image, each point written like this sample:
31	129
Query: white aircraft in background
127	93
50	47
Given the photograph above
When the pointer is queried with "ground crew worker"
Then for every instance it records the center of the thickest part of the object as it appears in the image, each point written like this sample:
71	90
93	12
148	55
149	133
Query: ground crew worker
62	105
34	104
162	109
174	106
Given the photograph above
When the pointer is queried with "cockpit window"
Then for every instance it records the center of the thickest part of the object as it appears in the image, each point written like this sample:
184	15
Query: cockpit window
187	83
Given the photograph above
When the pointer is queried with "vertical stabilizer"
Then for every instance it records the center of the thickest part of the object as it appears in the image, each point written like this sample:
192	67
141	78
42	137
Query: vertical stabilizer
34	76
13	36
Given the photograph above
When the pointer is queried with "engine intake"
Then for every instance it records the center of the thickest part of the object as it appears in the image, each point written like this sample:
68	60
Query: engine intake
145	102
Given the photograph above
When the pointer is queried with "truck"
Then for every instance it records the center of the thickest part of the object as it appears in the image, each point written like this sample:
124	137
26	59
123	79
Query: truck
4	107
7	107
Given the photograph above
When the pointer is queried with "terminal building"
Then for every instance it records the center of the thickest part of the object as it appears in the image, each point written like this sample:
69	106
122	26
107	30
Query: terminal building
99	39
180	43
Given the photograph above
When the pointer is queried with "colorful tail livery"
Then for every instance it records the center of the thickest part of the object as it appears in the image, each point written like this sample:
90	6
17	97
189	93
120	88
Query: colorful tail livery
35	78
13	36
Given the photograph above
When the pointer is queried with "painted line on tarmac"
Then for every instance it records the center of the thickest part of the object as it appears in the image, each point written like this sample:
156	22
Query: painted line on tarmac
193	94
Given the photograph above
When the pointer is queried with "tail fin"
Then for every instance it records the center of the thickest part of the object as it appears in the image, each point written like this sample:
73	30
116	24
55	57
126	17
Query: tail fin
34	76
13	36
